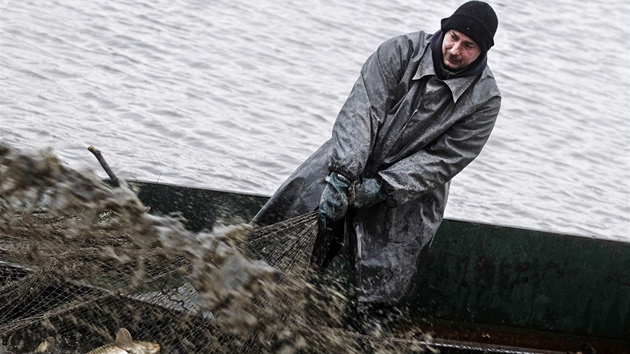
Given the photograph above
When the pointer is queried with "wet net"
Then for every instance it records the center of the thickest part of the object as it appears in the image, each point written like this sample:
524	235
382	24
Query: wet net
80	259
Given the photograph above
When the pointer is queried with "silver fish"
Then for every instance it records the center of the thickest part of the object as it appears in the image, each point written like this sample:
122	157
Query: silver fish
47	346
124	344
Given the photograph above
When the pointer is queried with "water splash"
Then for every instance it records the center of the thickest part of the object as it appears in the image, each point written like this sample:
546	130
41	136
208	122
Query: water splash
81	259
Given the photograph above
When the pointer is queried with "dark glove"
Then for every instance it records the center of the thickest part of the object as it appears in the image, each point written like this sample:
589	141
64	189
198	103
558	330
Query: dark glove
369	192
334	202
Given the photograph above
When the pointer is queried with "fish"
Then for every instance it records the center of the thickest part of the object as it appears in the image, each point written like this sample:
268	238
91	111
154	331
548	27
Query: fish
124	344
46	346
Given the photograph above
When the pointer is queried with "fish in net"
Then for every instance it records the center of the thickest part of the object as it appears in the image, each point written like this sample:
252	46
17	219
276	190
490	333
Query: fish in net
79	260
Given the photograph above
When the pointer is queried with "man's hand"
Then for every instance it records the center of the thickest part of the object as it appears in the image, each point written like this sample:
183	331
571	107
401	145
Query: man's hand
334	202
369	192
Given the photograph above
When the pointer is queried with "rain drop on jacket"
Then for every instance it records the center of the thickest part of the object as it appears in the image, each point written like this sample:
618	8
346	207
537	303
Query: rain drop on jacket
413	131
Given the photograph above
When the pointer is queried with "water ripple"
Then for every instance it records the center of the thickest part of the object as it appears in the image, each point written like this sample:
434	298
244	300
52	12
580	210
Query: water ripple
235	95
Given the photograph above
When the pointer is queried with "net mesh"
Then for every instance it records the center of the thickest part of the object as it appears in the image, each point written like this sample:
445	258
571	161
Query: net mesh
80	260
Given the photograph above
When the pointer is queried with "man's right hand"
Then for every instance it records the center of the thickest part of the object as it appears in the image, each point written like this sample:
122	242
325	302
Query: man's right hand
334	202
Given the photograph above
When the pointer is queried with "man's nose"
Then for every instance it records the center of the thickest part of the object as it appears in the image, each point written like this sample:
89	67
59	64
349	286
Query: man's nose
455	48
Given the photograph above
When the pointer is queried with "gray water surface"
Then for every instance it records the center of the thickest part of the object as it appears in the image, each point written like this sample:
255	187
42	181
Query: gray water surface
235	95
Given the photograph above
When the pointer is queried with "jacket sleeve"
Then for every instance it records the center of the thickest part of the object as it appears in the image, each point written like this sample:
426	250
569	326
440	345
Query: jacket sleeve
438	163
372	96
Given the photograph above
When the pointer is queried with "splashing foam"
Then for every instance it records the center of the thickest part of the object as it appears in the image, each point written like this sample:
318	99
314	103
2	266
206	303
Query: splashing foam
111	263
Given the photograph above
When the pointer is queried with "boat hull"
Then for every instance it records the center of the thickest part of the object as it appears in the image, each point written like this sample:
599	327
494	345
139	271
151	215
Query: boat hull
479	281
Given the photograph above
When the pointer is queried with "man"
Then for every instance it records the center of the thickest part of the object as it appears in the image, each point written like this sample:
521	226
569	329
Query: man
421	110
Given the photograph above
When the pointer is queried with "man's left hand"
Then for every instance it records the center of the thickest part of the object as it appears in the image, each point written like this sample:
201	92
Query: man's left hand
367	193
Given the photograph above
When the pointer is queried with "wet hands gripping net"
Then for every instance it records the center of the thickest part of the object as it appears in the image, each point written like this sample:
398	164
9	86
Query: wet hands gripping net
80	260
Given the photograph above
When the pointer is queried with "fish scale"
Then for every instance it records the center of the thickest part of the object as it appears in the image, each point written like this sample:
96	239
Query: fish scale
136	348
108	349
125	345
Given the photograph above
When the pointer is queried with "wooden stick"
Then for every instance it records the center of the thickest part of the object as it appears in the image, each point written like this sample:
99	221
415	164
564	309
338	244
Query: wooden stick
104	164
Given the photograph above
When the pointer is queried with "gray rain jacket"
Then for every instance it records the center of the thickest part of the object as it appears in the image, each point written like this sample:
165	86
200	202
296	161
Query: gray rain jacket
414	132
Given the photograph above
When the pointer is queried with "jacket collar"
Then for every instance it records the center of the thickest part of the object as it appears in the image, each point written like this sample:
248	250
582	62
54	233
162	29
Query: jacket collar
457	85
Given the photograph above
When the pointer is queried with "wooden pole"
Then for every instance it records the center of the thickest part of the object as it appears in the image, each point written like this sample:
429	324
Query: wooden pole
104	164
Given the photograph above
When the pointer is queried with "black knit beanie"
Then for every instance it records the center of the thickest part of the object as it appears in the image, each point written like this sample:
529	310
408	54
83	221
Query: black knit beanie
477	20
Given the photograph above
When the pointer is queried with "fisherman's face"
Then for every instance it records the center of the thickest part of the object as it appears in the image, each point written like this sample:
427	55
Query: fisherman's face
458	50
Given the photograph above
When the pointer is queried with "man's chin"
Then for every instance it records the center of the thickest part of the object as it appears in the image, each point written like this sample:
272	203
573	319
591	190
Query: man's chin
449	66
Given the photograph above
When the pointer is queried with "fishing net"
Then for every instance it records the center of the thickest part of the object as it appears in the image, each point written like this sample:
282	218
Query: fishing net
80	259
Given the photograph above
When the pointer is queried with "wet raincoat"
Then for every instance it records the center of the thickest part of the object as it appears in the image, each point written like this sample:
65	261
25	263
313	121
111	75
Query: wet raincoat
414	132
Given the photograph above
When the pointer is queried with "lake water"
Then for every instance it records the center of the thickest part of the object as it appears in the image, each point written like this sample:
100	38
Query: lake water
235	95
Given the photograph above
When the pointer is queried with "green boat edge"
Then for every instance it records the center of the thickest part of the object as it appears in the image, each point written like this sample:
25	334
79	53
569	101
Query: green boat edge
479	283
